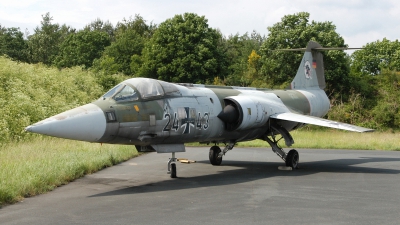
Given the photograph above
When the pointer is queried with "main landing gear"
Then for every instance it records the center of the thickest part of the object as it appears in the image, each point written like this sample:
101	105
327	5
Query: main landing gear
216	154
292	157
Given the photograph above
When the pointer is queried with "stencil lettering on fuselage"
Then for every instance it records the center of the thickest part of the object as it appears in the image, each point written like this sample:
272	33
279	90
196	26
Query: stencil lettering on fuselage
184	119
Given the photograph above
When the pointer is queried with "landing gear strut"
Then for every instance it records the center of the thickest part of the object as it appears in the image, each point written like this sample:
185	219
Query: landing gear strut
292	157
172	166
216	154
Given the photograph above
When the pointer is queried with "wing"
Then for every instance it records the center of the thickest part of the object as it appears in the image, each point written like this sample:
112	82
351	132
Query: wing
294	117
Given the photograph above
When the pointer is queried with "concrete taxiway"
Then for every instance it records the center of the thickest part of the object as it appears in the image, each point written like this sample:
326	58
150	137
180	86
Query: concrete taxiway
330	187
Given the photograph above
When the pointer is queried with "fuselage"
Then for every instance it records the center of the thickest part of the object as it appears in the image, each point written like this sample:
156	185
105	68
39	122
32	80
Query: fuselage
142	111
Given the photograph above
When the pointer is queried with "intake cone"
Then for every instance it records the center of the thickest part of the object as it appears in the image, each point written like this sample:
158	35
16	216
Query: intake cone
229	115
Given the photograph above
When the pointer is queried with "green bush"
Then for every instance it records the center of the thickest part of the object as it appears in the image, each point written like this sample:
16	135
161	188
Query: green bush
378	110
30	93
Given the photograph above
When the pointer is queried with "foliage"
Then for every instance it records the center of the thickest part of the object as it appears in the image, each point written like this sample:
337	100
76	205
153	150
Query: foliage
108	81
386	113
30	93
99	25
182	49
376	56
295	31
130	37
352	111
379	112
81	48
13	45
236	53
45	42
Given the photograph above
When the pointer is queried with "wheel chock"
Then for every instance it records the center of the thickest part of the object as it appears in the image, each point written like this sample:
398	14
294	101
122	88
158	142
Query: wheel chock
186	161
285	168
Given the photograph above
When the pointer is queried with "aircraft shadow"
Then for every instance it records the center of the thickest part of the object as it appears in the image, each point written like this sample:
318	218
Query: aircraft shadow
251	171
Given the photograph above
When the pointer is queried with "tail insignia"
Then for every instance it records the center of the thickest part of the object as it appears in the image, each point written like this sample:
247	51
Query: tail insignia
307	70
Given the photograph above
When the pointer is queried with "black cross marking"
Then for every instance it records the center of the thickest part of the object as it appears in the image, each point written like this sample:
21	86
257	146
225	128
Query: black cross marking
187	122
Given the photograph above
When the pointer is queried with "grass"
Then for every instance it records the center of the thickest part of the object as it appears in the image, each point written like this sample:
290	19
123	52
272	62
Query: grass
38	166
335	139
28	169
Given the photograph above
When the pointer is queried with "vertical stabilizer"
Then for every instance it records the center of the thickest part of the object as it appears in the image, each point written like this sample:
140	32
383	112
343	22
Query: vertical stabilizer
310	74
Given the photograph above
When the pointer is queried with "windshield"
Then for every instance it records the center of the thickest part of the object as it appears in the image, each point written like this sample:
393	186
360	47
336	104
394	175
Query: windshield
126	94
111	92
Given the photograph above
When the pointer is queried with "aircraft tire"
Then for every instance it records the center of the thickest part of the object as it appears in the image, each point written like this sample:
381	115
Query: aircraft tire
213	155
173	170
292	159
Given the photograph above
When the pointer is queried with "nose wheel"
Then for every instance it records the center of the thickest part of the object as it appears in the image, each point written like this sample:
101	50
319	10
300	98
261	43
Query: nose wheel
172	166
173	170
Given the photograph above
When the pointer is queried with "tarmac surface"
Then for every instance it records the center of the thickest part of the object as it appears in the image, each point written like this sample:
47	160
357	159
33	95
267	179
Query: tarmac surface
330	187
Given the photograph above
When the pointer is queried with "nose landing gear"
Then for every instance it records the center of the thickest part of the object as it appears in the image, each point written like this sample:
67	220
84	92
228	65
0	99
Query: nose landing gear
172	166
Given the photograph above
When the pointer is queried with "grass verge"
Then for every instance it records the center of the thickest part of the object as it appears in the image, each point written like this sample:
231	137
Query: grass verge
28	169
335	139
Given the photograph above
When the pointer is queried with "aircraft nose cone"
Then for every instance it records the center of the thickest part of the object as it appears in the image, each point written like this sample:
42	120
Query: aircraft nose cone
84	123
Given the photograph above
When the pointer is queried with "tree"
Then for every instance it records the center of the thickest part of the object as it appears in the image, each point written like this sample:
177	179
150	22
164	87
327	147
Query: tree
99	25
295	31
375	57
183	49
130	37
12	44
44	43
237	50
81	48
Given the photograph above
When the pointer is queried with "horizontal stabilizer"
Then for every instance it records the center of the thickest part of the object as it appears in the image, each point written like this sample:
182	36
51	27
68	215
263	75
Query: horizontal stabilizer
294	117
316	49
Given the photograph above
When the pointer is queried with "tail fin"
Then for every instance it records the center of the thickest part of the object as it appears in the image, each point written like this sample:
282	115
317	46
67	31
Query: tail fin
310	74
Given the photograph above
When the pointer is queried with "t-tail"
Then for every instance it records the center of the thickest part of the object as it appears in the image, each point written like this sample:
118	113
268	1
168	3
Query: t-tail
310	74
310	81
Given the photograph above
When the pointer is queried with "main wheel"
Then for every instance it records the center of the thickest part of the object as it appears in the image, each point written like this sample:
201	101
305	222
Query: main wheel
292	159
214	153
173	170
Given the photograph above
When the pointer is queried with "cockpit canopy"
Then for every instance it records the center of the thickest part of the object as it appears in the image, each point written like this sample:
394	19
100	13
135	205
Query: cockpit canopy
146	88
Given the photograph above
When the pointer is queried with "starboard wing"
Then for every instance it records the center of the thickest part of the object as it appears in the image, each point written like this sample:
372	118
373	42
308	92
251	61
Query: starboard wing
294	117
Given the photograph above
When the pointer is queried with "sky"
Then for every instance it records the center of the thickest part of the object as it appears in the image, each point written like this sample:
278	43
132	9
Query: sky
358	22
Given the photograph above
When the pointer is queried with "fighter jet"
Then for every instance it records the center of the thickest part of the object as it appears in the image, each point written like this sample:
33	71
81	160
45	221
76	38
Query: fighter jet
161	116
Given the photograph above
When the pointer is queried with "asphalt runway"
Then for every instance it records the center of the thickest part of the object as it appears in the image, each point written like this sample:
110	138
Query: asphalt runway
330	187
